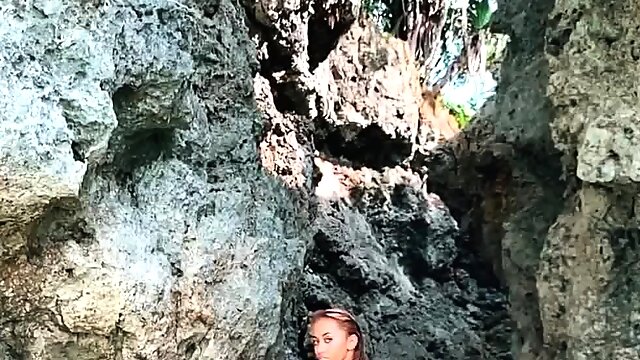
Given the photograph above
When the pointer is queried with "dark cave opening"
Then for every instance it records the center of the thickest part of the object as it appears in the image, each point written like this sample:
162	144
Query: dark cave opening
474	189
370	147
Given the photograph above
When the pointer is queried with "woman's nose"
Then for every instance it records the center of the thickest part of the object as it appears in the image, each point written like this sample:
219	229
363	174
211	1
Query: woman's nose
319	350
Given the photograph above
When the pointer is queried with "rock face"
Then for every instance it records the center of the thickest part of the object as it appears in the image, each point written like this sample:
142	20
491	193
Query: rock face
587	282
550	168
145	213
188	179
383	246
135	222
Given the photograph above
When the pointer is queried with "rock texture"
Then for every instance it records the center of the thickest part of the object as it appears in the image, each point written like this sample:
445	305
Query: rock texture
188	179
502	178
546	179
587	285
172	190
384	246
135	221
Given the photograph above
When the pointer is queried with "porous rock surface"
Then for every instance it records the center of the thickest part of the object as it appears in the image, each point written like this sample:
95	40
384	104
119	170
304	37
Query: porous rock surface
502	178
588	276
173	190
553	203
135	220
186	179
383	246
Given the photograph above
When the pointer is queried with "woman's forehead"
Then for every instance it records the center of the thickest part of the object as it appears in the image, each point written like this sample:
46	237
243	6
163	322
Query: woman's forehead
325	324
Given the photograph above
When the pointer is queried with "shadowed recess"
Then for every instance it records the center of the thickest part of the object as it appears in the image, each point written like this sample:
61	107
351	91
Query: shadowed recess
371	147
325	29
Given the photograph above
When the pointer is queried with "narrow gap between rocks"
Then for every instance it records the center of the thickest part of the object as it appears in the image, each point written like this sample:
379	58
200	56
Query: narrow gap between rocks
479	209
471	280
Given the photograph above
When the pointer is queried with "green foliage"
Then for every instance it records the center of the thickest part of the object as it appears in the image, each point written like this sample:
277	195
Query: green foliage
480	14
439	53
460	113
386	13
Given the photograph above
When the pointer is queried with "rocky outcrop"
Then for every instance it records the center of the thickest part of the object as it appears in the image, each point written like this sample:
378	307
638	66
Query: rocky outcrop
187	179
545	179
588	292
542	183
502	177
135	220
166	196
384	246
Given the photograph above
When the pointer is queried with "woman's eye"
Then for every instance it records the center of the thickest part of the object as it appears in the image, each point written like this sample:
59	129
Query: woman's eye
327	340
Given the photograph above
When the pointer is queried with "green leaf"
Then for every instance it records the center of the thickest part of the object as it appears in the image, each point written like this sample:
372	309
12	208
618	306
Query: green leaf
482	15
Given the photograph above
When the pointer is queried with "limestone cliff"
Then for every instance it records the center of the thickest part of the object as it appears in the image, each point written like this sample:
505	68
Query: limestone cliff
552	201
587	280
186	179
343	129
173	190
135	221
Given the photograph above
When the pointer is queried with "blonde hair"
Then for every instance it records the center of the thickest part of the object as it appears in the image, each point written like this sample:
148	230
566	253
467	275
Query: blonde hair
347	323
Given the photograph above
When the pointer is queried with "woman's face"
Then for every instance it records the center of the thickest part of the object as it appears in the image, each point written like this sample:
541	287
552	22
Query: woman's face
330	341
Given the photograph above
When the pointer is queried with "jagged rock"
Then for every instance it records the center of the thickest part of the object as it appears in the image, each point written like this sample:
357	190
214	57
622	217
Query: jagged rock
134	219
595	125
501	177
371	103
137	221
383	246
507	176
364	68
587	282
395	262
564	234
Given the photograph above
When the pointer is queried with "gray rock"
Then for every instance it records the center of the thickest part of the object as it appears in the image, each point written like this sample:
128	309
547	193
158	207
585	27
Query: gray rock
135	220
161	200
587	282
383	246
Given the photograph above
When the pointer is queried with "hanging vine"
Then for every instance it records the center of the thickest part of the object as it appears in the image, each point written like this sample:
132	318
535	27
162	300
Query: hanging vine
445	36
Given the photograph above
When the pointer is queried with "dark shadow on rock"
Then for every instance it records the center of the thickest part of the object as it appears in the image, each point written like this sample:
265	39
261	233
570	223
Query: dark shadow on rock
141	148
360	147
483	175
326	26
323	30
